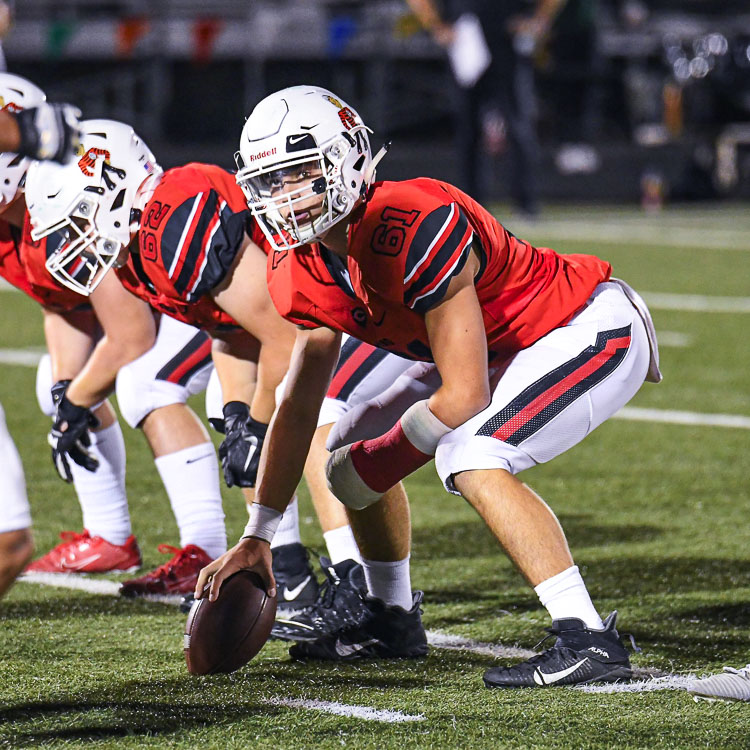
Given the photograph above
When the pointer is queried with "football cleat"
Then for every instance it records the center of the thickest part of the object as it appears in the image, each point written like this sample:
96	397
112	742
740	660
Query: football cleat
176	576
296	585
580	655
730	685
83	553
340	603
384	632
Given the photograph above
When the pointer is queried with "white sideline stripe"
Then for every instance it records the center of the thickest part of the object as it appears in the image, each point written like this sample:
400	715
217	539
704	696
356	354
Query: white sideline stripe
666	682
24	357
696	302
343	709
674	339
449	642
668	416
650	679
627	232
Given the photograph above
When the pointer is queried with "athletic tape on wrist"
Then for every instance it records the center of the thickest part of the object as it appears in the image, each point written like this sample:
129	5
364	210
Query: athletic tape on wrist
262	523
422	428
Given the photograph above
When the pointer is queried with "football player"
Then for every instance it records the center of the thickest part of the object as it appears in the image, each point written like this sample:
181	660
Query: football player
155	362
190	254
526	351
29	128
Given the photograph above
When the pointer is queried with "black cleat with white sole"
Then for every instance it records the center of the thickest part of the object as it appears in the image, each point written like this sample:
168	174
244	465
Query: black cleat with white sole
580	655
296	585
384	633
340	603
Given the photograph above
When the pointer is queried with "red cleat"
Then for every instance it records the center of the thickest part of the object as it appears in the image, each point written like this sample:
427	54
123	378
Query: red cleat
83	553
177	576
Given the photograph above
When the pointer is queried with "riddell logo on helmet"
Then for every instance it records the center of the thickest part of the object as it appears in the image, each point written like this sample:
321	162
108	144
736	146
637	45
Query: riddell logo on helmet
262	154
88	160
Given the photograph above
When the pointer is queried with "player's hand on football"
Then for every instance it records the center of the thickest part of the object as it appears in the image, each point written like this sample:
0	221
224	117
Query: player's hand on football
240	450
69	438
249	553
49	131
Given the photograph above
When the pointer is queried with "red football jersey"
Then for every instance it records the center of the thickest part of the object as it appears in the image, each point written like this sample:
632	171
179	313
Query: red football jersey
22	264
190	232
405	245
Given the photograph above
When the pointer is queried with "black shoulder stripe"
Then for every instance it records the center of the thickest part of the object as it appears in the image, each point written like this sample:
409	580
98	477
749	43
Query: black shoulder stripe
429	228
193	253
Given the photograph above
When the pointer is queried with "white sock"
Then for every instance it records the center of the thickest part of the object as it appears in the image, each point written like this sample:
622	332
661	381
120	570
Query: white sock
101	493
191	479
288	531
341	545
389	582
565	595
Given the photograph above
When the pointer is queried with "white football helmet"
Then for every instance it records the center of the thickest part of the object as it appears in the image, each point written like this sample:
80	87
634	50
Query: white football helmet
93	202
16	93
305	136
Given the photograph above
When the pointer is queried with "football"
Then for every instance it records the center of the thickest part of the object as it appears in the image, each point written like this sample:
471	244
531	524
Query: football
224	635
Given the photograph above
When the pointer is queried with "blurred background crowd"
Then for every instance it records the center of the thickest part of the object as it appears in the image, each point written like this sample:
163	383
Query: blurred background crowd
605	100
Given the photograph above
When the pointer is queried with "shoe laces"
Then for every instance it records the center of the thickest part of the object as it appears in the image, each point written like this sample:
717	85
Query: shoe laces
73	537
743	672
179	556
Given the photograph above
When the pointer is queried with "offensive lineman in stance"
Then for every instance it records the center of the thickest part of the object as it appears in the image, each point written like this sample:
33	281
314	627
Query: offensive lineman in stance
528	351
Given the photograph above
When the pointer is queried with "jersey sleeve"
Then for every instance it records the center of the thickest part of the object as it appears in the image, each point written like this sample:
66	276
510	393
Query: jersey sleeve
438	251
200	241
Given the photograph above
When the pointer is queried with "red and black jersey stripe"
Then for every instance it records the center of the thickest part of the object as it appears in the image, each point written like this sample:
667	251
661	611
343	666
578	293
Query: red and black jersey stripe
543	400
194	356
199	243
356	361
437	253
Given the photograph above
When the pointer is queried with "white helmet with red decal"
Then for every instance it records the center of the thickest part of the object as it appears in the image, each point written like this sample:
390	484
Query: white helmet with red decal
93	202
304	163
16	93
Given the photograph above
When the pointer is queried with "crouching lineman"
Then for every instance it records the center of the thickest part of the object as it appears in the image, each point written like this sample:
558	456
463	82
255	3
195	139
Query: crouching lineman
31	128
533	350
190	257
156	362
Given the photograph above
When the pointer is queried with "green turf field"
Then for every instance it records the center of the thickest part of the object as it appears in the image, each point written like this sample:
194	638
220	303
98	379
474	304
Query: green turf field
657	517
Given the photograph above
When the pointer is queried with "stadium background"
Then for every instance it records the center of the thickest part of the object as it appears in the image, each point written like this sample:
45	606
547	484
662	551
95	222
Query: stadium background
669	93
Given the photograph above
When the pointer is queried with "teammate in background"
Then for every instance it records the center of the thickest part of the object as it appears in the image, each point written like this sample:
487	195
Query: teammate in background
156	363
188	254
531	351
16	544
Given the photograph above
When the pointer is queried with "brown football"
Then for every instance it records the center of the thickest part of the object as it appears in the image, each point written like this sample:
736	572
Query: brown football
224	635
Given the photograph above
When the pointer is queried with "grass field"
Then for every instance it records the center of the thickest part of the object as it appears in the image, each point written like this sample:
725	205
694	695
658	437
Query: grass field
656	514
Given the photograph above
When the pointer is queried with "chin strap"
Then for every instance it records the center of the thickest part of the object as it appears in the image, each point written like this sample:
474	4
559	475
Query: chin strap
369	175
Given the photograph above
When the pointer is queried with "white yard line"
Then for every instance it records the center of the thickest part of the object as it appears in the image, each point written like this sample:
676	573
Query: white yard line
450	642
343	709
674	339
665	682
696	303
669	416
23	357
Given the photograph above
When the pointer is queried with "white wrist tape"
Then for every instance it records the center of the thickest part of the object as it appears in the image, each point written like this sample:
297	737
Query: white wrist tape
422	428
263	522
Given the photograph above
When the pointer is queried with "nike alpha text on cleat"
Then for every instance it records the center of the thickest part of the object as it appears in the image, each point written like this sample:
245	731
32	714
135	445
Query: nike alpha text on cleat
580	655
384	633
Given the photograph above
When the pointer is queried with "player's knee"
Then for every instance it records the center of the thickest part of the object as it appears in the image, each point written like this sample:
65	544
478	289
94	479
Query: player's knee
44	385
139	396
346	484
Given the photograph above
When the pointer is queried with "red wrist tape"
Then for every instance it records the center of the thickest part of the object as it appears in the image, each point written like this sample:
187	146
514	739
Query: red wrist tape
384	461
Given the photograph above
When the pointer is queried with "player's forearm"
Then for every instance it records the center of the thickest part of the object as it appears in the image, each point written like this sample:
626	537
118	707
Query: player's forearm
272	366
97	379
236	363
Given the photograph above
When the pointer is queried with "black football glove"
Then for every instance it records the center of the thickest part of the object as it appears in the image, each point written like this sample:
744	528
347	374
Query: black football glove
49	131
240	450
74	440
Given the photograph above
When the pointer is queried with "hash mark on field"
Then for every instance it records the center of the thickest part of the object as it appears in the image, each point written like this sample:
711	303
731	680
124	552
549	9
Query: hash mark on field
24	357
674	339
81	582
648	685
670	416
343	709
696	303
457	643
